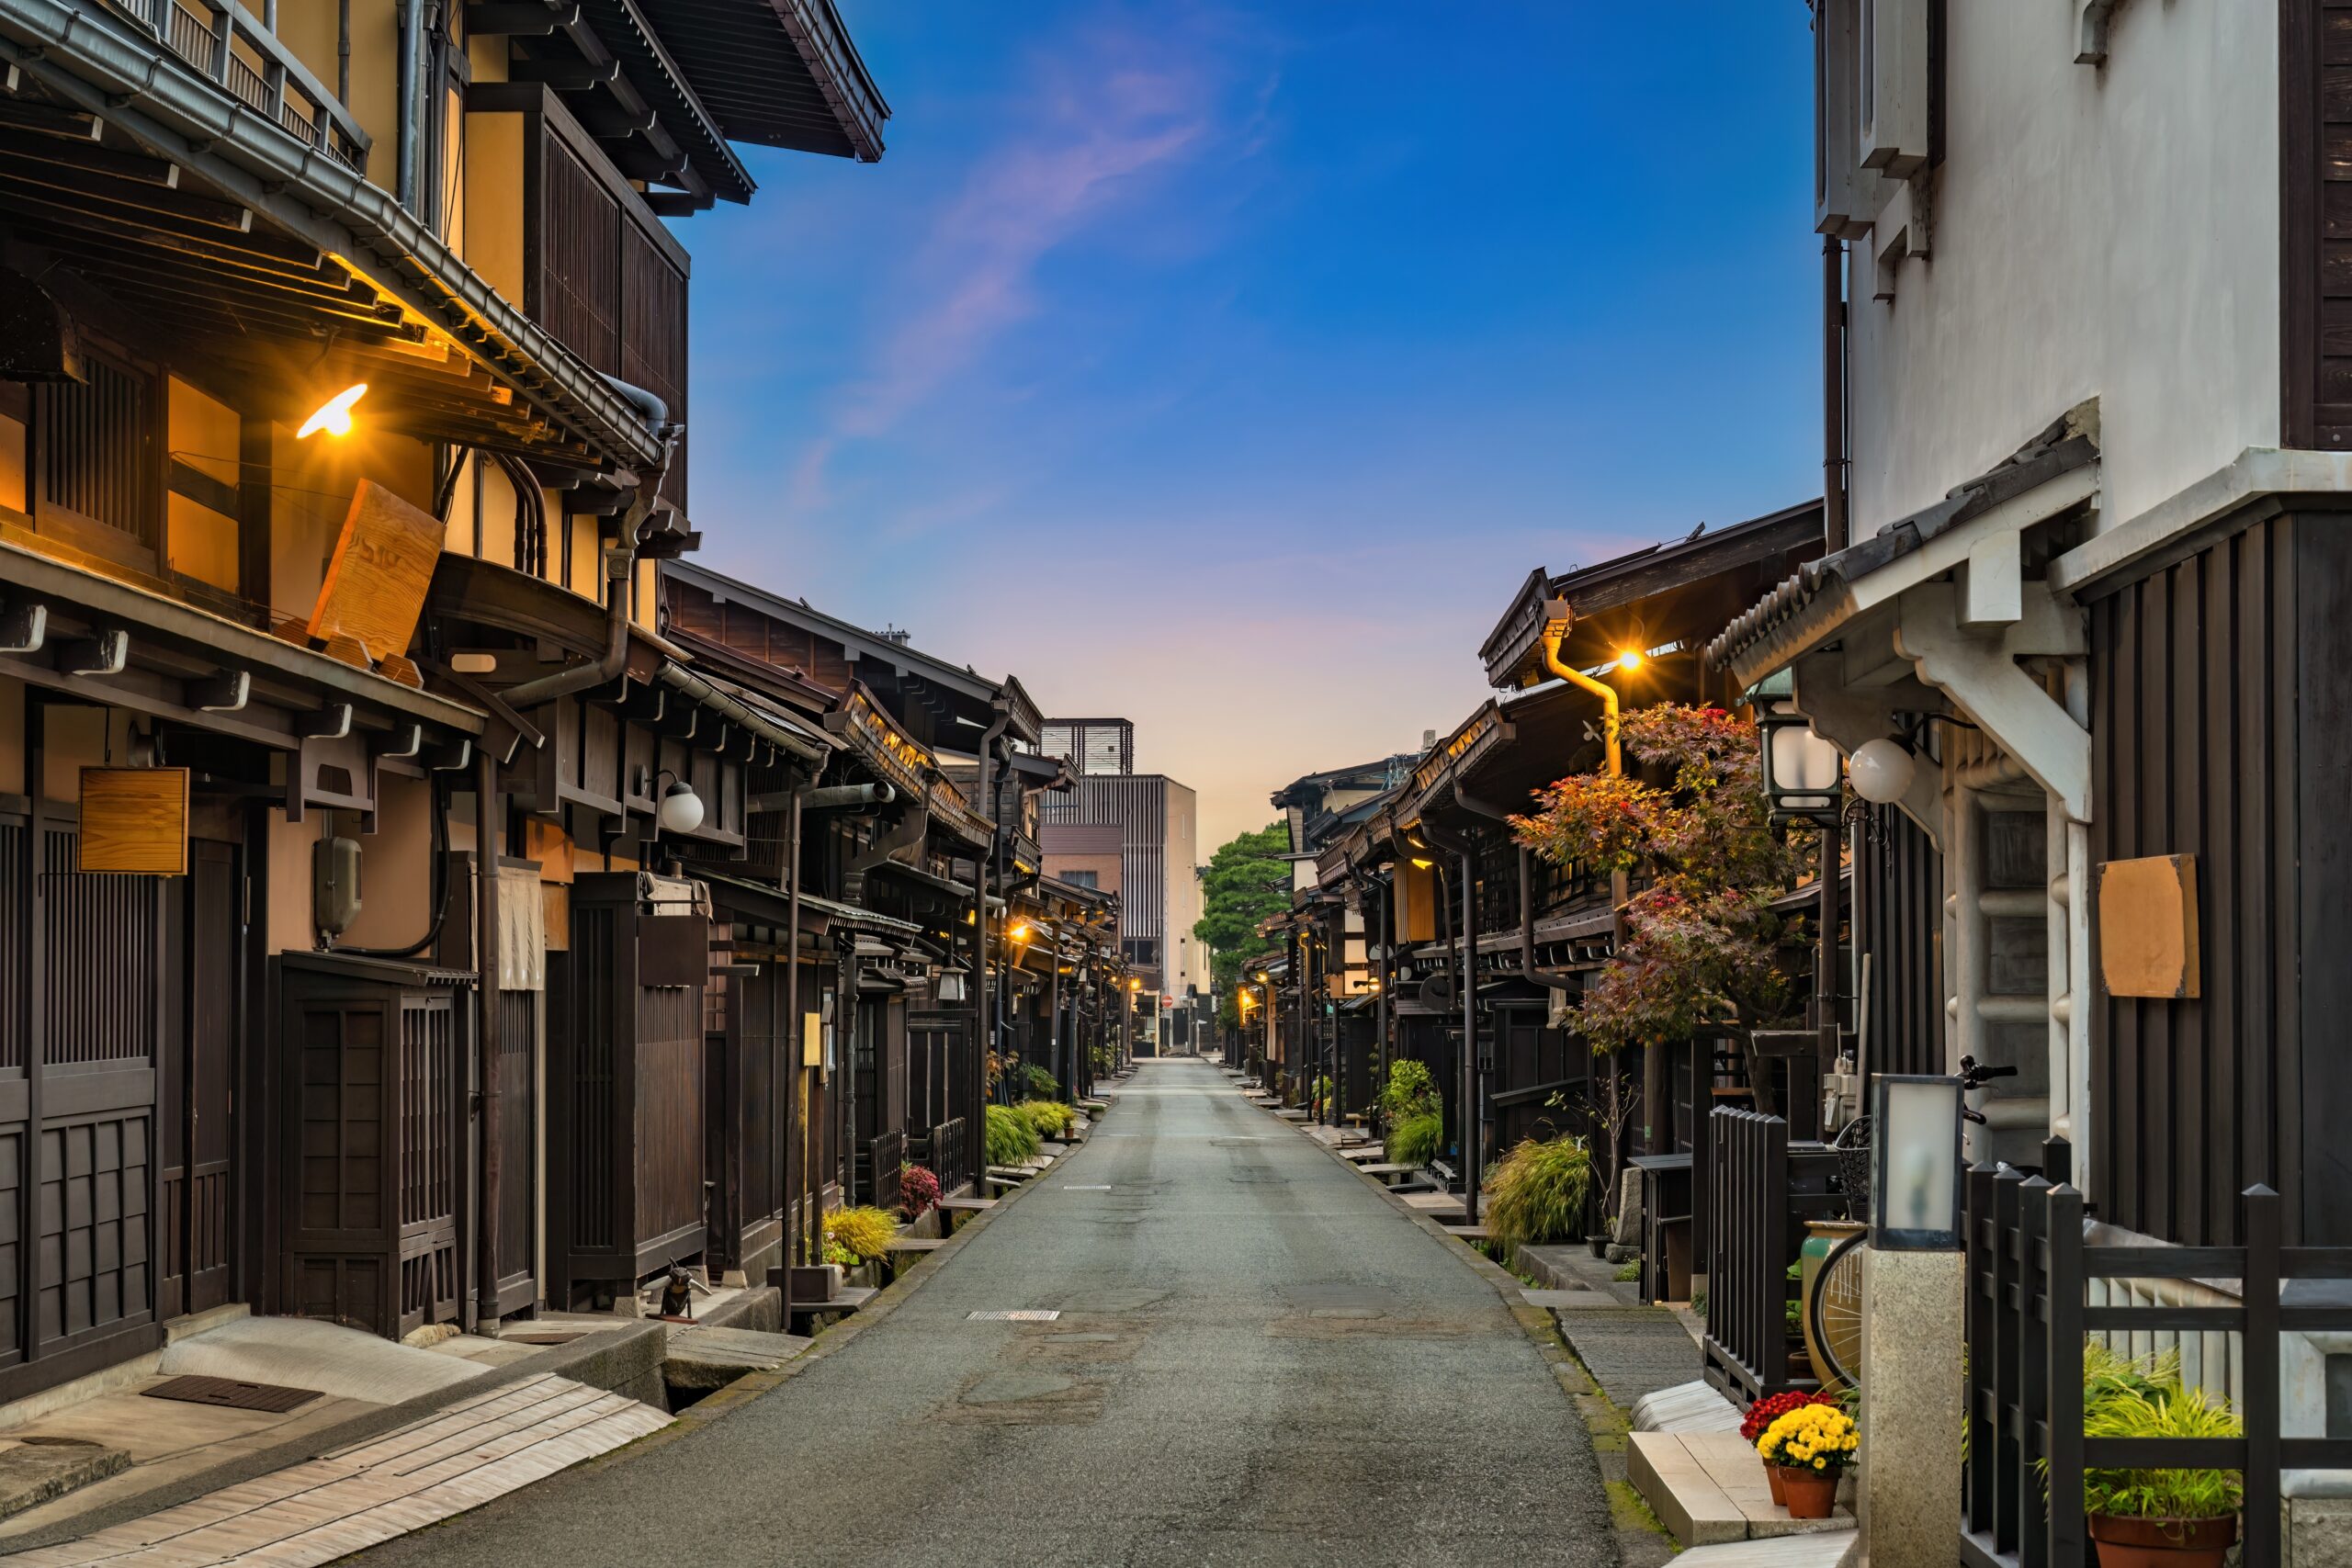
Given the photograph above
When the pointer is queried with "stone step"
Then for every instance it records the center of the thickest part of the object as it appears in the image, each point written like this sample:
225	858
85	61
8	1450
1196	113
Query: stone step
1709	1488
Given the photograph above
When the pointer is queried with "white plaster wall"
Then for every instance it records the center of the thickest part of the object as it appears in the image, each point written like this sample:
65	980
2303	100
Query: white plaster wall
2109	232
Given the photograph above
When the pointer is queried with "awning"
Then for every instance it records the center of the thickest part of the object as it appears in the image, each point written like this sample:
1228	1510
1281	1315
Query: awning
2055	473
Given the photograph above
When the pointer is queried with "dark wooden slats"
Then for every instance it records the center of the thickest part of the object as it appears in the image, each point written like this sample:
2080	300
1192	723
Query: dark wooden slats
2194	751
1761	1194
2029	1272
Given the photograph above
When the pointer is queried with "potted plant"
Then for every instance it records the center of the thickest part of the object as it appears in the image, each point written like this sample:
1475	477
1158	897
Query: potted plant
1759	1418
2161	1518
1814	1445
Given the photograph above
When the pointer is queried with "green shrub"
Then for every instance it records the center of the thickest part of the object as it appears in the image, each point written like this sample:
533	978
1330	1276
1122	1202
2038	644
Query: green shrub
1050	1118
1011	1138
1410	1092
1041	1084
1414	1140
1537	1193
863	1232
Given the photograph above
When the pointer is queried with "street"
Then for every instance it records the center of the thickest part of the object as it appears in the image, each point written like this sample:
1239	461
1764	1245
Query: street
1258	1360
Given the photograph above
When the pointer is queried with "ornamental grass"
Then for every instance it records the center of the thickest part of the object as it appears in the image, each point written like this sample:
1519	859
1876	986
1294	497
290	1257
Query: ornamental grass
1537	1193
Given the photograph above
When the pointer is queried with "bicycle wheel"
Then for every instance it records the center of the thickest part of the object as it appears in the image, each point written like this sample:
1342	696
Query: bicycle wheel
1837	1312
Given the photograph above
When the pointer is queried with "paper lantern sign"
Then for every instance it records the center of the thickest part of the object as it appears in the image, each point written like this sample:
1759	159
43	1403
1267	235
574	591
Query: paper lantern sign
383	564
134	821
2147	927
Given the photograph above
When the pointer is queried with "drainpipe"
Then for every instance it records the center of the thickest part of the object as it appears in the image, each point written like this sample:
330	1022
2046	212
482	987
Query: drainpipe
487	1044
910	832
1469	1117
982	1041
1557	618
1833	525
795	1243
620	565
411	25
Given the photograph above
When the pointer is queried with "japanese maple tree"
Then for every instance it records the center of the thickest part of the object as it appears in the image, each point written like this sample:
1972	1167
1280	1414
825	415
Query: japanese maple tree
1701	943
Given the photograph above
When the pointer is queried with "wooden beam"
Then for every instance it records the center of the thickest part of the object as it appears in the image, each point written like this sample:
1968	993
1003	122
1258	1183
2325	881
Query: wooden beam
522	19
566	75
76	153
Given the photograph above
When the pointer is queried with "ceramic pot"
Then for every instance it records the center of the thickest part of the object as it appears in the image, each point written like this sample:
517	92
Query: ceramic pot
1811	1493
2162	1543
1779	1491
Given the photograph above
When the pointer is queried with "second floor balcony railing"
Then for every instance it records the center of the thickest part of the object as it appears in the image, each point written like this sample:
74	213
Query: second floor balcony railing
221	40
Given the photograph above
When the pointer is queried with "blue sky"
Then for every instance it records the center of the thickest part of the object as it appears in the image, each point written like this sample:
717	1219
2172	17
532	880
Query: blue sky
1227	366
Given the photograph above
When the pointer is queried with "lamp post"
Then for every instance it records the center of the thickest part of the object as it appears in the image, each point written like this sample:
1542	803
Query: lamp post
1128	1031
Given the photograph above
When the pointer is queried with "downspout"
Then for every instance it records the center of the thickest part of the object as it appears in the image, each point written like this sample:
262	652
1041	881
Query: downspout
982	1041
912	825
620	565
1557	618
1468	1128
1834	526
412	96
487	1044
792	1054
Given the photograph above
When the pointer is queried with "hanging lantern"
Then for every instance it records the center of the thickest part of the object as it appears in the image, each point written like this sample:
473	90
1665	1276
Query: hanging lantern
1803	772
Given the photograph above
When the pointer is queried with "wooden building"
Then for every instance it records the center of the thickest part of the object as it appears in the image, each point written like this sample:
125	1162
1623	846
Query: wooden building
341	429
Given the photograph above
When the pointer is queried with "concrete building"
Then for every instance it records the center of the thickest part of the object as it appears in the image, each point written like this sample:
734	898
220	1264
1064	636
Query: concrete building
1135	834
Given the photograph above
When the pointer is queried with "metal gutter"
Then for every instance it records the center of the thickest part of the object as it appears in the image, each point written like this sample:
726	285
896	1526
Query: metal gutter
104	69
694	689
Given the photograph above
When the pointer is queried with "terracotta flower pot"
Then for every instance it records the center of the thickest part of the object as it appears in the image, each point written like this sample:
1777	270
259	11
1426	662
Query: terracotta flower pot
1779	1491
1810	1494
2162	1543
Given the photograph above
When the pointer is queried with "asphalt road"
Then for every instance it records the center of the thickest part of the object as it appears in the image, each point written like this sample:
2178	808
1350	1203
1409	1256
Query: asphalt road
1258	1360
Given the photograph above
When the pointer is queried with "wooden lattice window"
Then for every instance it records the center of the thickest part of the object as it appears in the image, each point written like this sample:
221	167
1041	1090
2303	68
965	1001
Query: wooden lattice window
96	446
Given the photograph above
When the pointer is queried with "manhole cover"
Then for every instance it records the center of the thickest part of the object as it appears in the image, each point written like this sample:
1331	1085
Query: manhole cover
231	1394
1017	1315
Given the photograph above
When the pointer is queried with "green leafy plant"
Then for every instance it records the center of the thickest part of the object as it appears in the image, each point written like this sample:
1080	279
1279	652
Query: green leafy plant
1010	1138
1050	1118
1537	1193
2162	1412
864	1231
1040	1084
1319	1091
1414	1140
837	1254
1409	1088
1627	1273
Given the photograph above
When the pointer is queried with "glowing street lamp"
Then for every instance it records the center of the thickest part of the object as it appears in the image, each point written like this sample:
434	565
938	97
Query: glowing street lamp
333	416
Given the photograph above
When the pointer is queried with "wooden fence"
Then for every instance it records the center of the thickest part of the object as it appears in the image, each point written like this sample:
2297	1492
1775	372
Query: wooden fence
2030	1271
1761	1191
885	1157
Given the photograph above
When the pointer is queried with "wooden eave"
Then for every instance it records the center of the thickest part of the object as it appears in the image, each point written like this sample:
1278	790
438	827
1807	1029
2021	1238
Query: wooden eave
1684	592
250	247
179	654
779	73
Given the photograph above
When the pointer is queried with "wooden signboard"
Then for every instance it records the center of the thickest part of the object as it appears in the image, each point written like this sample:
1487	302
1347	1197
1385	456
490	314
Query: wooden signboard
2147	927
376	583
134	821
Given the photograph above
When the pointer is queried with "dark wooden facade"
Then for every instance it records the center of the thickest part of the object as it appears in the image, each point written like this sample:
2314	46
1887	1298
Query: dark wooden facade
629	1050
2211	685
1898	922
373	1058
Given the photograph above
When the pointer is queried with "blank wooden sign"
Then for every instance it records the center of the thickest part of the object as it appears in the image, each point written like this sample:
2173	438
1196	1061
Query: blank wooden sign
134	821
2147	926
383	565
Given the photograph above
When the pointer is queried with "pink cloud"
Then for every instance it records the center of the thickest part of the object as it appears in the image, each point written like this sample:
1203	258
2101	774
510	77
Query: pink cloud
1099	125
